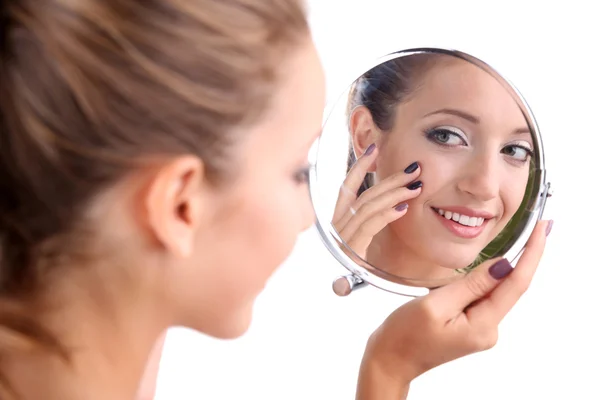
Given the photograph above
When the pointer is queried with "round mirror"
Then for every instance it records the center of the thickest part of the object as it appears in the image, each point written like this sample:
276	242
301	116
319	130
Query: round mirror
429	163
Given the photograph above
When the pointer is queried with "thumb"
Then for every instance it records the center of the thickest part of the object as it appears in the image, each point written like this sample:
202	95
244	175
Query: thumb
456	296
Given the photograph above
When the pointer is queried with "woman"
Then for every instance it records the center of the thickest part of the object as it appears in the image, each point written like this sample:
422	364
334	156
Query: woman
152	171
450	155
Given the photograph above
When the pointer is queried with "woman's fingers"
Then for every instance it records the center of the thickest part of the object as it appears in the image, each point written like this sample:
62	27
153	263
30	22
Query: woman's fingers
397	181
503	298
358	220
450	300
354	179
361	238
492	289
383	204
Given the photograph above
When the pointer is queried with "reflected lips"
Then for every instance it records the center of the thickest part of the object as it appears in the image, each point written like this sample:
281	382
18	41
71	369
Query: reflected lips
465	232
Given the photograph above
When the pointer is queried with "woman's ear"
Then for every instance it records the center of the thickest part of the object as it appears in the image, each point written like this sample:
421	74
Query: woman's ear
364	132
175	203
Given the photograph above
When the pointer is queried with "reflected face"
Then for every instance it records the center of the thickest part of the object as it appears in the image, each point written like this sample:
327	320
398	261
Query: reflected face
474	147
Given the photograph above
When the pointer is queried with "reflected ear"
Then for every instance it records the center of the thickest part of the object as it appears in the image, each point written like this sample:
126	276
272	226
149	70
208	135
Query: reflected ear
364	132
174	204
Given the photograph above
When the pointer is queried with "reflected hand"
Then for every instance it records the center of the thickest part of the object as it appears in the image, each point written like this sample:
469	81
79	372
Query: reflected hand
358	219
451	322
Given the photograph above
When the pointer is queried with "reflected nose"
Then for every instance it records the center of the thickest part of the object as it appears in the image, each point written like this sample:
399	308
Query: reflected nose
481	179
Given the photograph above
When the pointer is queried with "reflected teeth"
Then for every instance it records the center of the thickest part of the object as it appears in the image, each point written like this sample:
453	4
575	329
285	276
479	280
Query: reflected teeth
461	219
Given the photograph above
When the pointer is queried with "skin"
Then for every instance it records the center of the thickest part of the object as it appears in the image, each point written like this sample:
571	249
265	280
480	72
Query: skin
175	257
458	319
147	388
451	322
480	161
187	252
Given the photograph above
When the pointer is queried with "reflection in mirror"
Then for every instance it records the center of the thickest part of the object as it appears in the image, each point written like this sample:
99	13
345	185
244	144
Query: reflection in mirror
439	167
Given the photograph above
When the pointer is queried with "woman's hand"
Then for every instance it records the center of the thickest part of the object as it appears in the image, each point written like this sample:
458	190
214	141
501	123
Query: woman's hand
451	322
357	220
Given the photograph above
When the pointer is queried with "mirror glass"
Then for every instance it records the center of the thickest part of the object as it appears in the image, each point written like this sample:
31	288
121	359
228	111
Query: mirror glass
429	164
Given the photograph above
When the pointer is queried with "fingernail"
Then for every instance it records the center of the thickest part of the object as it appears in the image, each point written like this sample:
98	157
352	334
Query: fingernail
500	269
412	168
415	185
370	149
549	227
401	207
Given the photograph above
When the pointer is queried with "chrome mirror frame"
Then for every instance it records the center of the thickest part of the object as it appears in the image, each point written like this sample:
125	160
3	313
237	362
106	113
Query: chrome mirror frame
361	272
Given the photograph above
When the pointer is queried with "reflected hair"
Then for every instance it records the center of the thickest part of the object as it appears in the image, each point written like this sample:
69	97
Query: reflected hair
382	89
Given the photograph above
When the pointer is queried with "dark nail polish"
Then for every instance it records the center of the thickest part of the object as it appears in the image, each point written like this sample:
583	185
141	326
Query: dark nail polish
415	185
370	149
401	207
549	227
411	168
501	269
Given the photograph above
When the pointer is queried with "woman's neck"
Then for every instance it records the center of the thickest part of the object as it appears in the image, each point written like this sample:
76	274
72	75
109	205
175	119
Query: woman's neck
109	338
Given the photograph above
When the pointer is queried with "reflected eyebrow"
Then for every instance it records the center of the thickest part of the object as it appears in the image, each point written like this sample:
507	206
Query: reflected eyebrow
458	113
471	118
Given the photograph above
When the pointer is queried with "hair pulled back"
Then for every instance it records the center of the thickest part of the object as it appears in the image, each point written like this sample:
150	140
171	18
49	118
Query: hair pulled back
90	89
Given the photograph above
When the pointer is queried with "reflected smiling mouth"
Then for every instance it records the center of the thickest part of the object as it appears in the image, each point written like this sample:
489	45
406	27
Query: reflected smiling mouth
460	218
463	221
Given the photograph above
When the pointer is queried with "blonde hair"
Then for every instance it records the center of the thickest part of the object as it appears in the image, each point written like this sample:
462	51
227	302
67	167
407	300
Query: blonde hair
90	88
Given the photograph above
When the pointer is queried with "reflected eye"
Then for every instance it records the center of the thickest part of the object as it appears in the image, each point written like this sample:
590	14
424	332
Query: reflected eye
518	152
447	136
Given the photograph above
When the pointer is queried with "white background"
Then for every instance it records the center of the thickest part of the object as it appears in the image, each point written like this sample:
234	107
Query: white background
305	343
